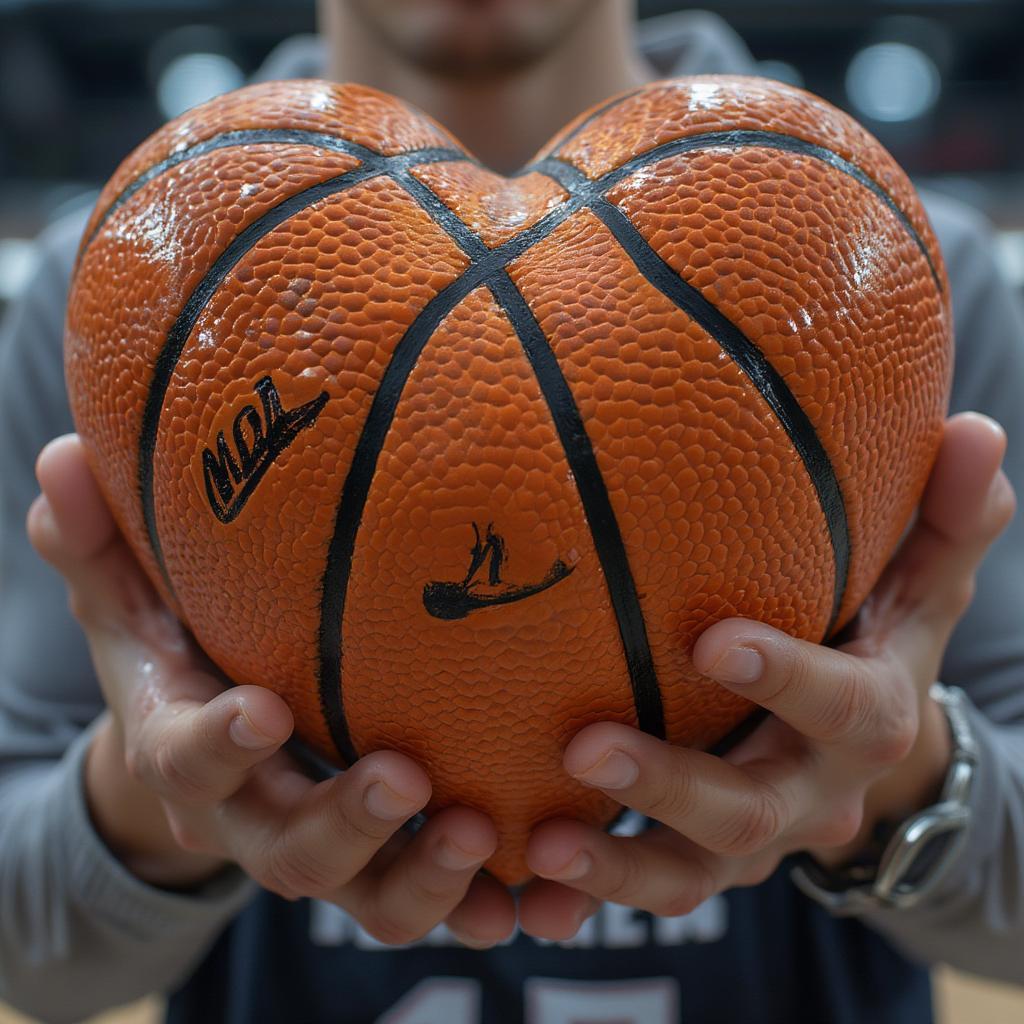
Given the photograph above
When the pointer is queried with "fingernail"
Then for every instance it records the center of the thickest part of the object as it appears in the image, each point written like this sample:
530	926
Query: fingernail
388	804
244	734
453	857
616	770
738	665
575	868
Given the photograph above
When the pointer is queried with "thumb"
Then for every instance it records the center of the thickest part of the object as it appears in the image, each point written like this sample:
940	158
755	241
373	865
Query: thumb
71	527
967	503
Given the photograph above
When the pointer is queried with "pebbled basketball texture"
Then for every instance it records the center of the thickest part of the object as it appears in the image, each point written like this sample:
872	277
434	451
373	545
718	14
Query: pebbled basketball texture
459	463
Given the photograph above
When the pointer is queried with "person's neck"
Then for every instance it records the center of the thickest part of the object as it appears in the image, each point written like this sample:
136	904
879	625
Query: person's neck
502	121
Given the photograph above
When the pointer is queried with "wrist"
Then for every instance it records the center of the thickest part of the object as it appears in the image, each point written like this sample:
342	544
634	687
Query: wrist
130	819
912	785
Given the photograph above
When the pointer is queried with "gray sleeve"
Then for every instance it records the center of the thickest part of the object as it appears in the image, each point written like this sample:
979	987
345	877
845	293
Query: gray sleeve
78	932
975	920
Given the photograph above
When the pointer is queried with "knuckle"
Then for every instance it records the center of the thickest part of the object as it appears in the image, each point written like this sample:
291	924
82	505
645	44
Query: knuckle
790	669
354	828
679	903
675	796
623	884
175	776
757	825
90	611
961	595
291	873
756	871
385	928
893	737
186	835
429	889
840	826
847	707
80	608
688	898
137	765
267	878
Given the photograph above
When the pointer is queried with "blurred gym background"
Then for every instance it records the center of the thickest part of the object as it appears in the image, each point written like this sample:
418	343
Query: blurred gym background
940	82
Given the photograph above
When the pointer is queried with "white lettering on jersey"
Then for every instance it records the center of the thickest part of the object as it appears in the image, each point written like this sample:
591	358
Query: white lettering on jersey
437	1001
645	1001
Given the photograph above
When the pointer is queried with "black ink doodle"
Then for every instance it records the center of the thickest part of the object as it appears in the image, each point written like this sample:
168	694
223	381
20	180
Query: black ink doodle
230	480
456	600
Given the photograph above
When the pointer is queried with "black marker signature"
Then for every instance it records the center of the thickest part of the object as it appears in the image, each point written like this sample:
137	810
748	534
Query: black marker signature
258	441
457	600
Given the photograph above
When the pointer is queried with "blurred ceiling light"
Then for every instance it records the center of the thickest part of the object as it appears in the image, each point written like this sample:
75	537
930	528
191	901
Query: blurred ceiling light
194	78
893	82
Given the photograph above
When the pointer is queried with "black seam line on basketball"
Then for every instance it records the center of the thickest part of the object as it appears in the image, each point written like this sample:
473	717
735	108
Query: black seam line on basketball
490	262
178	335
611	104
604	527
752	361
579	452
732	340
356	488
271	136
474	275
577	182
442	215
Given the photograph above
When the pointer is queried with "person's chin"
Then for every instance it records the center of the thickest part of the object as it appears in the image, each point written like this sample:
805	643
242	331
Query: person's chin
478	66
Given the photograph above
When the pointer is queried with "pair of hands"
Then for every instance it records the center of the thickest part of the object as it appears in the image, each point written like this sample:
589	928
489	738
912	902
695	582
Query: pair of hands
185	776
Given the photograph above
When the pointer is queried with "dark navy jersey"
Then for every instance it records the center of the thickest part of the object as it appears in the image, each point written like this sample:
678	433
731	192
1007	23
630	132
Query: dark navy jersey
765	955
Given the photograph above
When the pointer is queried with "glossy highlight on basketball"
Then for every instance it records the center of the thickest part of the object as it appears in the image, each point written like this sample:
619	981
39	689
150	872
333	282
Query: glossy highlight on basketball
460	463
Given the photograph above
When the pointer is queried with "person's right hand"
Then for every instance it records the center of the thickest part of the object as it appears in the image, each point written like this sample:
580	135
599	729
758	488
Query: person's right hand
186	775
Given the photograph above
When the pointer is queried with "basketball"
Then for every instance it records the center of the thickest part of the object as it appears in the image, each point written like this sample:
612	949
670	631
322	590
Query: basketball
459	463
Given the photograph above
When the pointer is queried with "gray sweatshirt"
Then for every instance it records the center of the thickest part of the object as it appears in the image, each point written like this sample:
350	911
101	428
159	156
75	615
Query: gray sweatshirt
78	932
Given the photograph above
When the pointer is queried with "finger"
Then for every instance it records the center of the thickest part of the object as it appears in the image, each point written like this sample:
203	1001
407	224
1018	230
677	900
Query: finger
552	911
485	916
318	843
72	528
966	505
831	696
203	751
79	511
956	501
655	871
429	878
722	807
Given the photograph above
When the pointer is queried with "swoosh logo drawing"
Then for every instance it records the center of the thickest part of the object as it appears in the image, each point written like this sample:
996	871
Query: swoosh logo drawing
230	477
446	600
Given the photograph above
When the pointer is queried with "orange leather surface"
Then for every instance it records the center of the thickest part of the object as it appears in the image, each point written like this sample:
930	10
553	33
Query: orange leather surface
479	631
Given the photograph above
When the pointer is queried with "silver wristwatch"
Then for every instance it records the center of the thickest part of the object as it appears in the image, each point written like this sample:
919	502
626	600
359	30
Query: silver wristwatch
915	855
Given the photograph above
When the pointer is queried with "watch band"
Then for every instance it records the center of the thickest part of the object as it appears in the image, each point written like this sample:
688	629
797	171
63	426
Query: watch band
916	854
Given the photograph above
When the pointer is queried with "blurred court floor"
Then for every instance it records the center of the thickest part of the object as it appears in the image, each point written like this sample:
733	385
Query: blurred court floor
961	1000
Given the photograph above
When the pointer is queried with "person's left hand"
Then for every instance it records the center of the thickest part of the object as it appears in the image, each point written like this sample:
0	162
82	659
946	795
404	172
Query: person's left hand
853	737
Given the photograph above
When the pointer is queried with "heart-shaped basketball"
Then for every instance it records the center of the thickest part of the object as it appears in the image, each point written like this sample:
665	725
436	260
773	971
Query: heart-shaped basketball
460	463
